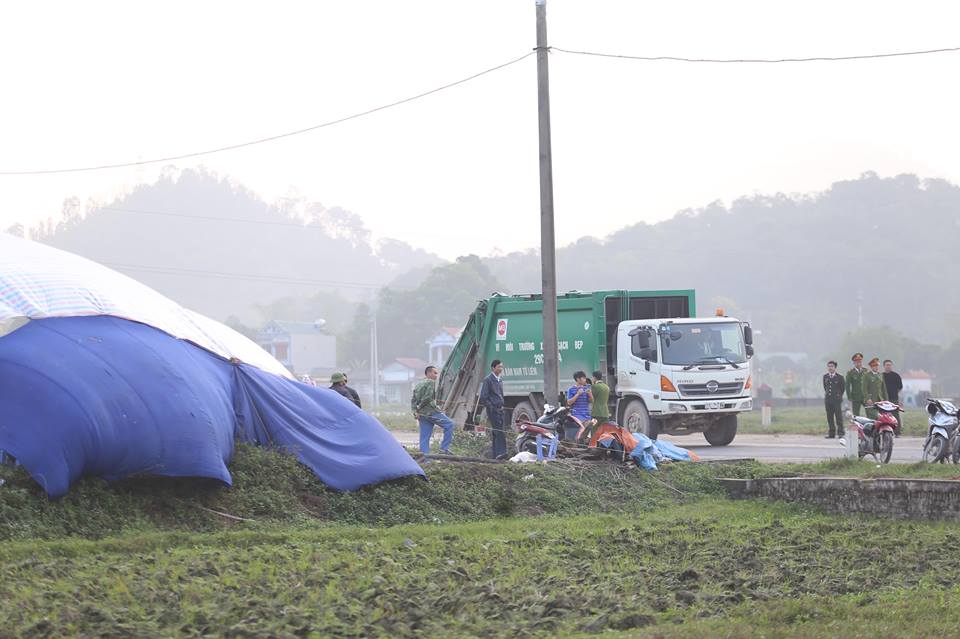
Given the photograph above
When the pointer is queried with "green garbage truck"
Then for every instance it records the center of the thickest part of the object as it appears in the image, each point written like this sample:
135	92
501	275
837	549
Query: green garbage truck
668	371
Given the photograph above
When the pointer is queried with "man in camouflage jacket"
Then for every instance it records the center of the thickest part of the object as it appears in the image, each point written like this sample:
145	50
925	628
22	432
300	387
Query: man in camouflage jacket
427	411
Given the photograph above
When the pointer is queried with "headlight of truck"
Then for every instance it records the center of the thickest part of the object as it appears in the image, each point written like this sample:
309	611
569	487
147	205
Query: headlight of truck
676	408
747	404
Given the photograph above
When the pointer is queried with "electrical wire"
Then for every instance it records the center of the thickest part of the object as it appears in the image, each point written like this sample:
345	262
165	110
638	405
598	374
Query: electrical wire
361	114
668	58
272	138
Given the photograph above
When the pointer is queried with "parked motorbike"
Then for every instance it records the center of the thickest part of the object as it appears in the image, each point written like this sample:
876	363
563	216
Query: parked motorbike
875	436
943	436
549	427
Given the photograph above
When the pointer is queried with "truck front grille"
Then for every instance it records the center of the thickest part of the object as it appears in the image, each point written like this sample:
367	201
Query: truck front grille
701	390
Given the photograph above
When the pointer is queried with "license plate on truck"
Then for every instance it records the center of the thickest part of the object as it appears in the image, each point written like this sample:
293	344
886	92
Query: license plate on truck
713	405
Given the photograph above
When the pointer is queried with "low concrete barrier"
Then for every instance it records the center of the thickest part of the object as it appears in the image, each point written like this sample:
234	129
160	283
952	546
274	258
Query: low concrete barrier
891	498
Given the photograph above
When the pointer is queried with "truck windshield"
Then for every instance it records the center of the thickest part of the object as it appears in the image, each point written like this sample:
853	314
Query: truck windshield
712	343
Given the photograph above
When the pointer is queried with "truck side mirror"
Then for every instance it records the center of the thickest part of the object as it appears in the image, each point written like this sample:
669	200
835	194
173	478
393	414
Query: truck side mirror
646	352
747	335
749	350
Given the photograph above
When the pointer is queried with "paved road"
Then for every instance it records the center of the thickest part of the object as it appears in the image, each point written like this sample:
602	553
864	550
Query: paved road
790	448
769	448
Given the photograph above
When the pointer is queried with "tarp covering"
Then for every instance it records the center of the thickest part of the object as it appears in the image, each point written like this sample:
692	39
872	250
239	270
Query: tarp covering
38	281
109	397
648	453
645	452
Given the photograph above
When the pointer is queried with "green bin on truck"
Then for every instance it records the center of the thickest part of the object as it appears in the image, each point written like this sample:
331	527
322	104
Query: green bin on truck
621	333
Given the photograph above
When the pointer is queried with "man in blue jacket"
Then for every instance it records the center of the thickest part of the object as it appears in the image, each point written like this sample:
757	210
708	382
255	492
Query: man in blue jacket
579	398
491	398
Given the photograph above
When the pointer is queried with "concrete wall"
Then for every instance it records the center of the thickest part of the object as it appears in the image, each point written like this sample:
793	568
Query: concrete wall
891	498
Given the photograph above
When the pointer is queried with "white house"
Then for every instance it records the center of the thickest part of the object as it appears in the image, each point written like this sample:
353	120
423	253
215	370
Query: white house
399	377
917	385
440	345
303	347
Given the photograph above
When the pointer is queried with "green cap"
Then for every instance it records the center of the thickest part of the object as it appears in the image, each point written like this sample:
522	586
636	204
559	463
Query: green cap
336	378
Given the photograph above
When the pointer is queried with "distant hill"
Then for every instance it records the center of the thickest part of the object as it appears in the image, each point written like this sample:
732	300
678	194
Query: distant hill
217	248
793	264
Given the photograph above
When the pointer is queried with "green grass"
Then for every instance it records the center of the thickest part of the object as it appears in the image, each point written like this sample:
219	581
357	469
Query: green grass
813	421
519	550
396	418
271	488
756	568
922	612
841	467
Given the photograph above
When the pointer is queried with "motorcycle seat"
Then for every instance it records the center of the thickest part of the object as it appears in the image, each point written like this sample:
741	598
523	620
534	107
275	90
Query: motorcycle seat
863	421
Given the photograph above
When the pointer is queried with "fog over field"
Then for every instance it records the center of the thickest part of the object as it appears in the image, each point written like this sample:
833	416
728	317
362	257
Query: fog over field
263	181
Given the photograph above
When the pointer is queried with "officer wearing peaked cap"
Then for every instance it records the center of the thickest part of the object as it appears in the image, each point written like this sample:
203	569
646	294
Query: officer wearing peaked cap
874	390
833	389
854	382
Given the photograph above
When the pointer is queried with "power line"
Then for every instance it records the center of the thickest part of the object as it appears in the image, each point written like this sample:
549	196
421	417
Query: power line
383	107
271	138
668	58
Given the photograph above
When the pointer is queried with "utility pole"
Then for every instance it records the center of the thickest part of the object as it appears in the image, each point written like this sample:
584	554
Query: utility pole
374	357
548	254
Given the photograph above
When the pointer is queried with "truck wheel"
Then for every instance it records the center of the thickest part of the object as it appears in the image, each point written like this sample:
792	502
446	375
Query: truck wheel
636	419
522	411
722	432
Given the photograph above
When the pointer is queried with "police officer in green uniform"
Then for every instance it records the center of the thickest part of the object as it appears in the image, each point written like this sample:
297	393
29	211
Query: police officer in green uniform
855	383
874	390
600	404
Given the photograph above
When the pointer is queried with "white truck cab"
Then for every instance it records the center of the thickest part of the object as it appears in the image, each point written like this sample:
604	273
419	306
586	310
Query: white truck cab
684	375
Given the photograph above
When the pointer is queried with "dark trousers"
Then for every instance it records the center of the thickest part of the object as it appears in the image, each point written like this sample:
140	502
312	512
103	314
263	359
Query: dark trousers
497	433
834	417
856	405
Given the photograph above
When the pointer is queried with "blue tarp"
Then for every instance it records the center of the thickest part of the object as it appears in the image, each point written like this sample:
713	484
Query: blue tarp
645	454
110	397
649	452
672	451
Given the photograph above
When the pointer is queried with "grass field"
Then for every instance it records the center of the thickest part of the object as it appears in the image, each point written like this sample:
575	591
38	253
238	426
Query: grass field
755	568
395	418
813	421
478	550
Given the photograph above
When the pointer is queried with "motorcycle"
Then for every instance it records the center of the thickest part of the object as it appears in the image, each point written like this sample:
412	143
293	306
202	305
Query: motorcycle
943	437
875	436
532	436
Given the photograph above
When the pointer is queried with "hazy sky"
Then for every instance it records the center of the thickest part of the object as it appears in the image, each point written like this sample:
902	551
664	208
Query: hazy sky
102	82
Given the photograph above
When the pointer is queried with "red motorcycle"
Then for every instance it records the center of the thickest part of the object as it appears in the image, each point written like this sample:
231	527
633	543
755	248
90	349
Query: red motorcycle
876	435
